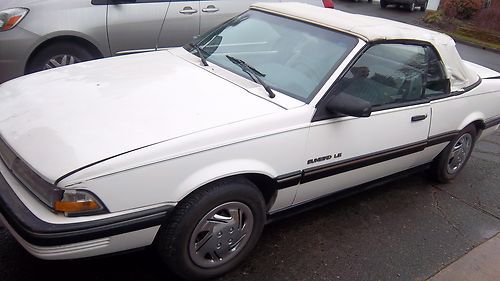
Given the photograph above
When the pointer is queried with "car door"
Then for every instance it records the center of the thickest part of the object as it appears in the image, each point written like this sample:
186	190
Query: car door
345	151
135	25
181	24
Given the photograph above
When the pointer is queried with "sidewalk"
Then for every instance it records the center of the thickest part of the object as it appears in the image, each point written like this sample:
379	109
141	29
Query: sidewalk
480	264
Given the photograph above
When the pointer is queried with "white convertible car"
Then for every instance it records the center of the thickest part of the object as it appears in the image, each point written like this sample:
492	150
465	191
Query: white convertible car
194	149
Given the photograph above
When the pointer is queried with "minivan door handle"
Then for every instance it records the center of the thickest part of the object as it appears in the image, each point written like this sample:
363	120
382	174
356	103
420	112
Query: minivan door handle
418	117
210	9
188	10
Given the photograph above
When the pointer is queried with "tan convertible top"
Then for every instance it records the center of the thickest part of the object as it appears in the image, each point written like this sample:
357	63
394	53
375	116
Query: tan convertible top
372	29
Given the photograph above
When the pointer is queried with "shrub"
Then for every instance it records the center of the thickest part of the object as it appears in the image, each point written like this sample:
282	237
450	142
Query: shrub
433	17
489	17
462	9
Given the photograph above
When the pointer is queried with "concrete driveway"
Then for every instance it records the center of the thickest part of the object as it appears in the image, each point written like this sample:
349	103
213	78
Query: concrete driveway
406	230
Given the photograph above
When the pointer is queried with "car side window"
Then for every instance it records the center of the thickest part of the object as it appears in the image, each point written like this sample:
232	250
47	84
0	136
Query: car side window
387	74
436	83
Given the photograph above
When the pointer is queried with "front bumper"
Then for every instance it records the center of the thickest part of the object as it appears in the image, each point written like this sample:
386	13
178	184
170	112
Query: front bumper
81	239
16	46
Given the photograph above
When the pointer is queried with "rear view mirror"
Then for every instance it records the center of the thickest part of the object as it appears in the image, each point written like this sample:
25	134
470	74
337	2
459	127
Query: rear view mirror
349	105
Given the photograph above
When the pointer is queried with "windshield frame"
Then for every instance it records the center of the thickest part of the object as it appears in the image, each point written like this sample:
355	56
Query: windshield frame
317	89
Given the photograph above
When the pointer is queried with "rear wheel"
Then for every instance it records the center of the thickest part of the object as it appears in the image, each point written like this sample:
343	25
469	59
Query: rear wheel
57	55
452	159
213	229
383	4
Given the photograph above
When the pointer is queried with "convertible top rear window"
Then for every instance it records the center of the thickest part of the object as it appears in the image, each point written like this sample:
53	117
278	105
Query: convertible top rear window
295	57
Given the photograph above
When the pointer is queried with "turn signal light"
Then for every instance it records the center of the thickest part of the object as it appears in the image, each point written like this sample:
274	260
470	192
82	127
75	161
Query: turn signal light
77	203
11	17
72	207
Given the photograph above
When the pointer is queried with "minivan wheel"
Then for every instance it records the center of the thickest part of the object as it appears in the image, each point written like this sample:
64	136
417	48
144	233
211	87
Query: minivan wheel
411	7
57	55
453	158
212	230
424	7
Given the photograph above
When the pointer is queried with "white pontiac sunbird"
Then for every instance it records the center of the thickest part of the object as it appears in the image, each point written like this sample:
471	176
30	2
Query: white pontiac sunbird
194	149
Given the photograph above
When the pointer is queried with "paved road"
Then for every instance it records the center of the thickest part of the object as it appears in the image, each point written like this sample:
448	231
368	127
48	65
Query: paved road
406	230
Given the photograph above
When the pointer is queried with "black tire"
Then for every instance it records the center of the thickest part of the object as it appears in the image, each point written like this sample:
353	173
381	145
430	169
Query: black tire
57	50
383	4
175	237
440	166
370	1
411	7
424	7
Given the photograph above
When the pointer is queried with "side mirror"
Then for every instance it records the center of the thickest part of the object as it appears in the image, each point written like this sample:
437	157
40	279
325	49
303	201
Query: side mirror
349	105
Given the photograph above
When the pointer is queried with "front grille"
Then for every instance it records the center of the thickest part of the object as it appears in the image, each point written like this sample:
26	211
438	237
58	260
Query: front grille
46	192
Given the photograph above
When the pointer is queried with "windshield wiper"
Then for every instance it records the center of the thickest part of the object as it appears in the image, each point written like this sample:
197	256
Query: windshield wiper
254	73
200	54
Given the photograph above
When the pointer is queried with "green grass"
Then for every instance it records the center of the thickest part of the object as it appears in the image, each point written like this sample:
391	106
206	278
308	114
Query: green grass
460	36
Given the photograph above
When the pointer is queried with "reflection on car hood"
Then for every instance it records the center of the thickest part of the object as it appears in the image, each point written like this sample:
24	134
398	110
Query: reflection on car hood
66	118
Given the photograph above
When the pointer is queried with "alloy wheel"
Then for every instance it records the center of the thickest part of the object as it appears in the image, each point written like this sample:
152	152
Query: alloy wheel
61	60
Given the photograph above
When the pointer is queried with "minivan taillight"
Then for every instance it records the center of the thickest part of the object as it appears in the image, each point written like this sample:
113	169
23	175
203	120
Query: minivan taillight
328	4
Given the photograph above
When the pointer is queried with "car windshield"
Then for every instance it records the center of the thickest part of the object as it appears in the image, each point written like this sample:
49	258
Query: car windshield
294	57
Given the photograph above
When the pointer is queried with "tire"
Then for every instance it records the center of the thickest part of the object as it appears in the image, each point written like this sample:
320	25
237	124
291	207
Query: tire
423	7
383	4
453	158
205	217
411	7
64	53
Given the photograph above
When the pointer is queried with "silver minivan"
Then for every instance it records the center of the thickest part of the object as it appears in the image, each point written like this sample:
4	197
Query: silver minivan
42	34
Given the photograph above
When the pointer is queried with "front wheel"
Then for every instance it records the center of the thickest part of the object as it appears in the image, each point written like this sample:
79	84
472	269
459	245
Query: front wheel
383	4
213	229
57	55
452	159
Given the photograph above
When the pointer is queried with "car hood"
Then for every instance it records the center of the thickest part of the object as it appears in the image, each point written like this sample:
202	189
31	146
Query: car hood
6	4
61	120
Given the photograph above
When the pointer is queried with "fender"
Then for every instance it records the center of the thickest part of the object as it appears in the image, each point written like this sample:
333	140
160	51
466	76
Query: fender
223	169
471	118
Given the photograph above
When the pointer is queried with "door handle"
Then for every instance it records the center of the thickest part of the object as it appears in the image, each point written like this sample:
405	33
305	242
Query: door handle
210	9
188	11
418	117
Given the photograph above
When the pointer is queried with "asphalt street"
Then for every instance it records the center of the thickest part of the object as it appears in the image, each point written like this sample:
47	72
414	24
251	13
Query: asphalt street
406	230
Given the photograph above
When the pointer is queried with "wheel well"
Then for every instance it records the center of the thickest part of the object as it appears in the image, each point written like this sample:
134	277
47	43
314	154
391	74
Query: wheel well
72	39
267	186
480	126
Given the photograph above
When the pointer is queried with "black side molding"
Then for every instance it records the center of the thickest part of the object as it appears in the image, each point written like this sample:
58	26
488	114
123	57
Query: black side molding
492	122
327	170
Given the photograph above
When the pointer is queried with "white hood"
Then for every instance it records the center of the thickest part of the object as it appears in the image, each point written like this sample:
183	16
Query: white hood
63	119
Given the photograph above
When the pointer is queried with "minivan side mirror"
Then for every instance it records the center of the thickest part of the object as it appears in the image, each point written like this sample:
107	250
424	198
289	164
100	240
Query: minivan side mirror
349	105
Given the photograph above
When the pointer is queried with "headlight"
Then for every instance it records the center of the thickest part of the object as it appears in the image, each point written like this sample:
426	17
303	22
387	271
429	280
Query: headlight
11	17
